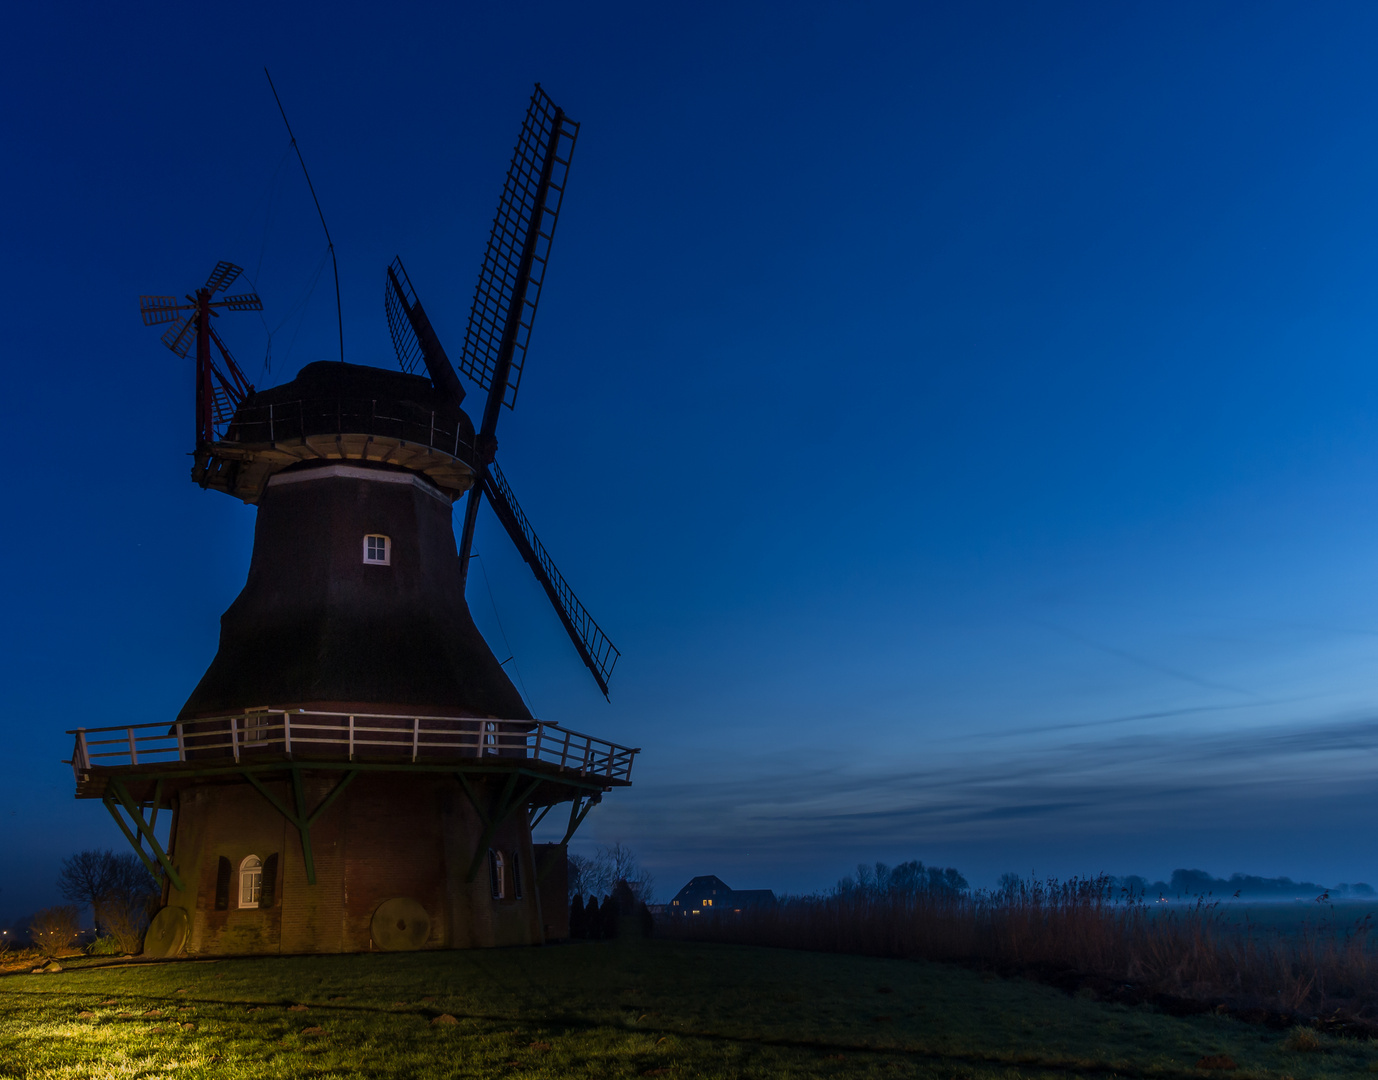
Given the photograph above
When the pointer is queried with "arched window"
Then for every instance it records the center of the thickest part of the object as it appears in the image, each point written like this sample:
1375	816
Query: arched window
250	881
516	877
377	550
495	873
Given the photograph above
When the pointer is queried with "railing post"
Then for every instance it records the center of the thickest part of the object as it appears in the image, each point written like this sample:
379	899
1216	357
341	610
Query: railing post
351	738
272	430
133	752
536	751
564	753
82	755
415	735
287	732
431	440
181	743
234	735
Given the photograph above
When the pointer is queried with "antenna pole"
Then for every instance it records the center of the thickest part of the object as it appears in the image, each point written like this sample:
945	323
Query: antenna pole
339	313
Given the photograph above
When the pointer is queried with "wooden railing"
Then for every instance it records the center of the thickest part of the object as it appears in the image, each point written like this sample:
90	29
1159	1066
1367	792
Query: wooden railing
261	734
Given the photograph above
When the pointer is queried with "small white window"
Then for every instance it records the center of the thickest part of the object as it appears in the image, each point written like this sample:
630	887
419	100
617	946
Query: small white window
377	550
250	881
490	738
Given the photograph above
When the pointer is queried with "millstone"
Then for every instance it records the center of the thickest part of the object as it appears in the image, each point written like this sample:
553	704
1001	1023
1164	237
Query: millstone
400	925
167	933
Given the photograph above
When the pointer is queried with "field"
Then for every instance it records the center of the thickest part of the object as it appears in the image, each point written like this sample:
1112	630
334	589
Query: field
617	1009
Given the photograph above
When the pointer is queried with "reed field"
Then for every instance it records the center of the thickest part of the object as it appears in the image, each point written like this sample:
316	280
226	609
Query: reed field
1278	962
624	1008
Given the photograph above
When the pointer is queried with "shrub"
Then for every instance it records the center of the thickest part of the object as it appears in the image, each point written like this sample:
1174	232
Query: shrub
126	920
1302	1040
104	946
54	929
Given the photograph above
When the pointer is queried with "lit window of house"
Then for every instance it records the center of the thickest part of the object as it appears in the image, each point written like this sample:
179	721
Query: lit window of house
250	881
708	903
377	550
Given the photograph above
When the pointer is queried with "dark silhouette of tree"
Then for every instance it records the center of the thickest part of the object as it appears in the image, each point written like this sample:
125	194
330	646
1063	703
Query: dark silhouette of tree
87	878
113	885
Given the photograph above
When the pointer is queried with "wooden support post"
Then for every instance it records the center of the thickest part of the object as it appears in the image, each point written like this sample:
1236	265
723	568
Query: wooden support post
144	831
491	822
153	867
303	826
576	818
300	818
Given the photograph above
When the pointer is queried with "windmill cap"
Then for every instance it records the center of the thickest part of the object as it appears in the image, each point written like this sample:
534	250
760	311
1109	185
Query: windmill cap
347	413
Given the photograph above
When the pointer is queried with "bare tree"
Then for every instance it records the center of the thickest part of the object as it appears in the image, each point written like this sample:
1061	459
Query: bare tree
119	889
87	878
599	874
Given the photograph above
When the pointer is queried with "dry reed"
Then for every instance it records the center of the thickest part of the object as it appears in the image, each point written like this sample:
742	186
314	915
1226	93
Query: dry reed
1081	927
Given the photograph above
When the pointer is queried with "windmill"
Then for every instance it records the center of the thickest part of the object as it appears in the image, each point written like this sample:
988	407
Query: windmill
493	355
355	770
219	390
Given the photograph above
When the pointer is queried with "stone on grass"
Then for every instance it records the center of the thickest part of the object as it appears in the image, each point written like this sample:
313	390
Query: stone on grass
298	1008
444	1019
313	1031
86	1014
1216	1061
188	1026
540	1047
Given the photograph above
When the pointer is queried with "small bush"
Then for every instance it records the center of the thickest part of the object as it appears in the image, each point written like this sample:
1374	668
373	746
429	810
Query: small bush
126	919
54	929
1302	1040
104	946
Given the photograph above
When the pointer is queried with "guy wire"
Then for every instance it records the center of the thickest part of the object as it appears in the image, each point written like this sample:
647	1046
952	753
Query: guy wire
339	311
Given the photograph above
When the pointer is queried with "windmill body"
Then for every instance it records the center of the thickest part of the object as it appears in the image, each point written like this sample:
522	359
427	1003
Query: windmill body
355	770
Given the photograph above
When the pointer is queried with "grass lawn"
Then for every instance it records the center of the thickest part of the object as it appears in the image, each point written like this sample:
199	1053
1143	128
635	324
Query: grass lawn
620	1009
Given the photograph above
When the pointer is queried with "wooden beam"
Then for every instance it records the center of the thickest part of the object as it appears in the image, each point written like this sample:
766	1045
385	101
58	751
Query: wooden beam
506	804
147	833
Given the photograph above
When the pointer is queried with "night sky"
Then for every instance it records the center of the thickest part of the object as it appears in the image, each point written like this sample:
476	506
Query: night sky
960	415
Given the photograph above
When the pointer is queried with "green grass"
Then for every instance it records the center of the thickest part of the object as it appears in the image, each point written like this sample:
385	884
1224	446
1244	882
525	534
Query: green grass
654	1008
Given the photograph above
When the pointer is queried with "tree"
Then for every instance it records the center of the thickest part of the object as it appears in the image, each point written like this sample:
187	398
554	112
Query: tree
599	874
118	888
87	878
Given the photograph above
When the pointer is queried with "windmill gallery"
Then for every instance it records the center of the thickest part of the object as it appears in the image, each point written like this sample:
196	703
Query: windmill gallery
355	770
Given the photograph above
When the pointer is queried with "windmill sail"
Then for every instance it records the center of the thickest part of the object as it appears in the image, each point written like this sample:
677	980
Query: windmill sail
509	284
594	647
413	337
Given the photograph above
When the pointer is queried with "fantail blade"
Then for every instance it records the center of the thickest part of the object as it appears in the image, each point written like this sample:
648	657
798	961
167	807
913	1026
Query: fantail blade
160	309
222	275
179	336
242	302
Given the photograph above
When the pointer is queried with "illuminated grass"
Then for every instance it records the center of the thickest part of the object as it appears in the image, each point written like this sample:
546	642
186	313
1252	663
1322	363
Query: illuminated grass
657	1008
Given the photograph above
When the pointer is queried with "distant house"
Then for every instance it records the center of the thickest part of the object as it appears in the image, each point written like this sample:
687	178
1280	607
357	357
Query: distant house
710	894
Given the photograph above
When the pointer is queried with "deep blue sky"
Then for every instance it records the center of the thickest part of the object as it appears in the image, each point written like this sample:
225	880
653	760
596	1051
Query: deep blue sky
961	415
